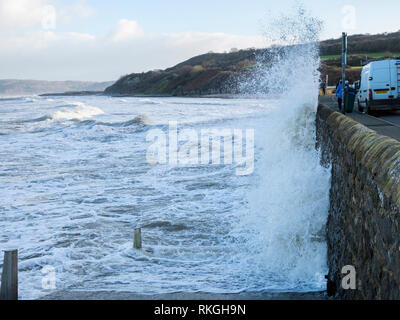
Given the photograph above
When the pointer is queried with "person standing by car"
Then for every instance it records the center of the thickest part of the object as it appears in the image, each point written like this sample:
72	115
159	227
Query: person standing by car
339	94
323	87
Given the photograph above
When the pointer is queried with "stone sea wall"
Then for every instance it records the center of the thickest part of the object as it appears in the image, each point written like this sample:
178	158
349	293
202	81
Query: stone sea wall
363	226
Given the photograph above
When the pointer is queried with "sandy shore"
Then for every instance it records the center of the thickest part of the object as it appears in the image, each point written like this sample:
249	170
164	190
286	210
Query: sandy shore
105	295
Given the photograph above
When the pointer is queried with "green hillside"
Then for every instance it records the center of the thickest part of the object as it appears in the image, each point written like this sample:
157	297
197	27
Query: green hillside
215	73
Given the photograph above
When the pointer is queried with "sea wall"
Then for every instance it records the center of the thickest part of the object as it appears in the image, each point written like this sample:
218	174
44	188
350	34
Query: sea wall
363	225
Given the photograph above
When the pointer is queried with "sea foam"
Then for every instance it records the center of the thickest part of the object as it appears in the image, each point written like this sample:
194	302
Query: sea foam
76	110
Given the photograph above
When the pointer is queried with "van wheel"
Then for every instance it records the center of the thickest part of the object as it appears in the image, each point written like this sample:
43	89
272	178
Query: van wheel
360	108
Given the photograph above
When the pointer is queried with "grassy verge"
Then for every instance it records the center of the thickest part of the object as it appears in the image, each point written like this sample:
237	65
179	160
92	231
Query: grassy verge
376	55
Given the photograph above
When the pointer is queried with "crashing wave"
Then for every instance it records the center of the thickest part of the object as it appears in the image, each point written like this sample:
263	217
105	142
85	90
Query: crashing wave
76	111
289	207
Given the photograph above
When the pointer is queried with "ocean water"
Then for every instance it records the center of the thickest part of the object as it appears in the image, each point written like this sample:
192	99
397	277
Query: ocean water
75	183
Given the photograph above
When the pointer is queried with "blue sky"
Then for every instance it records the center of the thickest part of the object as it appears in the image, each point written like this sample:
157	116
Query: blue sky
101	40
233	16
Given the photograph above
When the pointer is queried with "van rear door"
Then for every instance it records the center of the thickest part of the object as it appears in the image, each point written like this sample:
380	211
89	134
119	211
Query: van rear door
395	77
363	92
381	80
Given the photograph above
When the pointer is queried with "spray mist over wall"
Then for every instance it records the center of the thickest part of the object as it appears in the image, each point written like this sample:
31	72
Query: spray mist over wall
288	209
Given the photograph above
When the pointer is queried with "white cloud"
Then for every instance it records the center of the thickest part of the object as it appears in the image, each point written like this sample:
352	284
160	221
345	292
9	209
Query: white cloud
42	40
214	41
52	55
76	36
18	14
127	30
81	9
77	10
21	14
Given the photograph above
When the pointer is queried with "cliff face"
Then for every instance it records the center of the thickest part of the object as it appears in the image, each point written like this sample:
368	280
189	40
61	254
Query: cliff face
212	73
186	81
217	73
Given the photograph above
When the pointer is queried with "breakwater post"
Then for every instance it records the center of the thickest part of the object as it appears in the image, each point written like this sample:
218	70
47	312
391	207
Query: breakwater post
137	241
9	277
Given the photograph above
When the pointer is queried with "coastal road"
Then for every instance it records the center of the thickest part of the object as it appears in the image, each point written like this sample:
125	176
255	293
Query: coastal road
386	123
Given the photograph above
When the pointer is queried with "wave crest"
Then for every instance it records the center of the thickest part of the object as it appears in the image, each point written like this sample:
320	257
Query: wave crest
76	111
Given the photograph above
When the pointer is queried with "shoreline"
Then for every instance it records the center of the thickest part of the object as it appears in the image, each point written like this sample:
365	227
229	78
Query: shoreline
182	296
103	94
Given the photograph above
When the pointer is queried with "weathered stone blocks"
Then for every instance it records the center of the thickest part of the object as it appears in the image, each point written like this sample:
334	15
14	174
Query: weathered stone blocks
363	223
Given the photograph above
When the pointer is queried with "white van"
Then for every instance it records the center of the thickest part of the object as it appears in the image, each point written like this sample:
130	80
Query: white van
380	86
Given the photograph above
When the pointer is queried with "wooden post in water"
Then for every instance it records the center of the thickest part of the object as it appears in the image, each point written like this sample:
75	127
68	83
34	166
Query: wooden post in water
137	241
9	277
